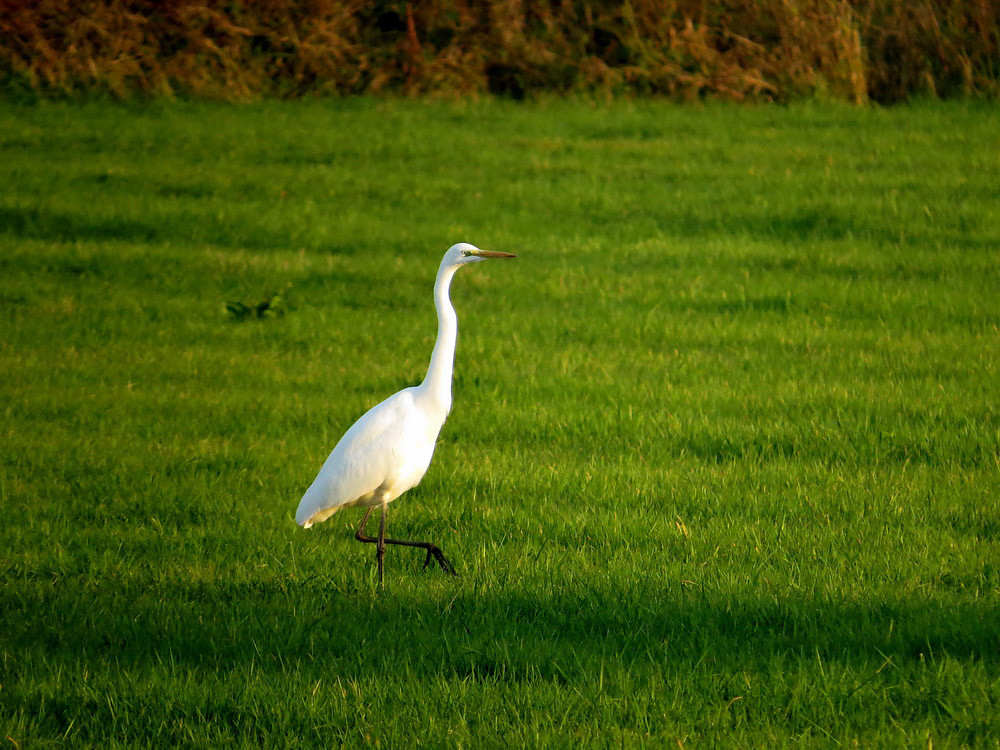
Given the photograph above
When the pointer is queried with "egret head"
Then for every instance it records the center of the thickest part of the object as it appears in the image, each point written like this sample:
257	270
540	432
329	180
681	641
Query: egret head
463	252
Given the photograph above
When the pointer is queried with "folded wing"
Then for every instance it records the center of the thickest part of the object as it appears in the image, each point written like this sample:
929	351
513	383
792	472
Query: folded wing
383	454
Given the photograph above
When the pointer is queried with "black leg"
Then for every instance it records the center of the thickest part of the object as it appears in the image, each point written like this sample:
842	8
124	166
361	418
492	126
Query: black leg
432	551
380	547
360	533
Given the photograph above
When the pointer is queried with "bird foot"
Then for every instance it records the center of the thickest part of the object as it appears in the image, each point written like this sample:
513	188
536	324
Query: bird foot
434	552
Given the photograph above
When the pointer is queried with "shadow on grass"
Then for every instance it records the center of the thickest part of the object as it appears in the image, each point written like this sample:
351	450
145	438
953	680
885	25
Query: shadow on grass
238	229
39	224
311	624
164	227
816	224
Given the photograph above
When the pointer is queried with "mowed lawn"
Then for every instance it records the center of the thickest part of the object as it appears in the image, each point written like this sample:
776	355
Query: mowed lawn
722	467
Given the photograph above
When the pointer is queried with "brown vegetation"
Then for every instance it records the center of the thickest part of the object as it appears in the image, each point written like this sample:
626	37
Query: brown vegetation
885	50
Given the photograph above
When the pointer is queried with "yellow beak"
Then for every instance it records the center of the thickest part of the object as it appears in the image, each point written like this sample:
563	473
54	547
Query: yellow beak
491	254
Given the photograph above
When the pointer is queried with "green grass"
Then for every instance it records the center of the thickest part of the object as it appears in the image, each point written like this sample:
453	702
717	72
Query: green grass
722	467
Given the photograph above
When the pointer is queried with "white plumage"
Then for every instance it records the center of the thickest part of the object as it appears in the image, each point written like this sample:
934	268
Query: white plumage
387	451
384	454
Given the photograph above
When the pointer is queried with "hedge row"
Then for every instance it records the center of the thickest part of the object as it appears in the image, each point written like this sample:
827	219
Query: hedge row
883	50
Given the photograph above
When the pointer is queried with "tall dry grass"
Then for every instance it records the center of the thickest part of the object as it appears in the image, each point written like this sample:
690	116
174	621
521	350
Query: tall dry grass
885	50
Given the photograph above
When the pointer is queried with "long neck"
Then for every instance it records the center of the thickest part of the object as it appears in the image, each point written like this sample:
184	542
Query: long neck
437	383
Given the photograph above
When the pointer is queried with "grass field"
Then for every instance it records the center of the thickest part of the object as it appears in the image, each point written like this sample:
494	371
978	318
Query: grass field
722	467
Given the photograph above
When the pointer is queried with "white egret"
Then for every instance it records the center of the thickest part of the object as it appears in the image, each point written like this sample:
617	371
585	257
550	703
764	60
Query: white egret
388	450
